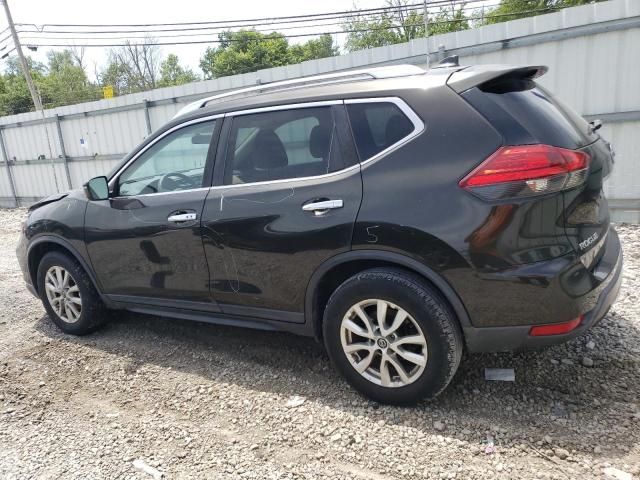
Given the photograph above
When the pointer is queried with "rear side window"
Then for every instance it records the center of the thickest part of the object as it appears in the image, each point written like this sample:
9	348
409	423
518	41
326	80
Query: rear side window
281	144
377	126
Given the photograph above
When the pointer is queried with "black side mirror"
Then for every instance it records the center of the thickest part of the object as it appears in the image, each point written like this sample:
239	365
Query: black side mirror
97	188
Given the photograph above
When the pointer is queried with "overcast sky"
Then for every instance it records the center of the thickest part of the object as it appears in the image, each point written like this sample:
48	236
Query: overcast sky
159	11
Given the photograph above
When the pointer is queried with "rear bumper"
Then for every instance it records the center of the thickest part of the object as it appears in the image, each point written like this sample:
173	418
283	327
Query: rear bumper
510	338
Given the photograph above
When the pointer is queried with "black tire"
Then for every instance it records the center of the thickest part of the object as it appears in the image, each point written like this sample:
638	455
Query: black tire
429	310
93	312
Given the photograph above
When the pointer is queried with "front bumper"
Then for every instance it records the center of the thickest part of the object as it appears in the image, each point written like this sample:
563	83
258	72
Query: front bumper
510	338
21	255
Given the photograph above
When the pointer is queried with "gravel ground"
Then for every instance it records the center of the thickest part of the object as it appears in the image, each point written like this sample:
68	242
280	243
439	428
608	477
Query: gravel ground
148	396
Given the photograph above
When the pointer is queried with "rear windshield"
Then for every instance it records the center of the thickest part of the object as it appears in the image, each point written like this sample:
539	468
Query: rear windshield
545	117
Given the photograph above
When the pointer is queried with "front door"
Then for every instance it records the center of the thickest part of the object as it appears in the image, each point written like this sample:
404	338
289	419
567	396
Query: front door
145	242
285	200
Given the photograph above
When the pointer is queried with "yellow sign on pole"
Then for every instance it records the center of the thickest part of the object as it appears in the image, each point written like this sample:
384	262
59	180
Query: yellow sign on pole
107	92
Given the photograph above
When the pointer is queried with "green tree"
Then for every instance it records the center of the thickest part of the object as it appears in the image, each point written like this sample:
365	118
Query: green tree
66	81
172	73
116	75
244	51
450	19
133	67
513	9
401	23
14	93
62	81
248	50
320	47
370	31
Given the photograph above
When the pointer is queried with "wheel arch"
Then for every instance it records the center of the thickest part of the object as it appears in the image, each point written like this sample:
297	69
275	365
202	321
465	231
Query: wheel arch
48	243
335	270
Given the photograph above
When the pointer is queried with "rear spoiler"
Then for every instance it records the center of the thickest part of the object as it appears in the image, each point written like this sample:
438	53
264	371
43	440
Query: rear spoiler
473	76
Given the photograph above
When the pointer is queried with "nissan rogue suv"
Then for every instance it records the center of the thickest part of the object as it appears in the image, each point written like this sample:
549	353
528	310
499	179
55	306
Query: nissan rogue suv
399	216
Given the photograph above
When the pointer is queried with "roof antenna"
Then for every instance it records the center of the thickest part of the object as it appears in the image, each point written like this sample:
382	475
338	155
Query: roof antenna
451	61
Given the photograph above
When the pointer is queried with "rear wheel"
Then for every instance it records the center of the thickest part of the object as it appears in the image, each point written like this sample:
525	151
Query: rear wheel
392	336
68	295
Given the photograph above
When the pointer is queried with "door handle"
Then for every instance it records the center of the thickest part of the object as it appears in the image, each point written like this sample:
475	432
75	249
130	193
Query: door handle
182	217
323	206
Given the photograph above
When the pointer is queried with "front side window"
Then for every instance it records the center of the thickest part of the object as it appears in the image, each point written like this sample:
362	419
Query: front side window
174	163
377	126
280	144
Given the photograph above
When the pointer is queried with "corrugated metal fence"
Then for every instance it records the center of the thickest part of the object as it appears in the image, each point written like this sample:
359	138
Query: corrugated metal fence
593	53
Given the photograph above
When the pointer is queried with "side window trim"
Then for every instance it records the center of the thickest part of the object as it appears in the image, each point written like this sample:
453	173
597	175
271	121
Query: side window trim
113	181
418	124
217	168
289	106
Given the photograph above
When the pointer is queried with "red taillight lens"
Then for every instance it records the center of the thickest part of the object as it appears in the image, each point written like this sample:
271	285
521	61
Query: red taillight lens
526	170
556	328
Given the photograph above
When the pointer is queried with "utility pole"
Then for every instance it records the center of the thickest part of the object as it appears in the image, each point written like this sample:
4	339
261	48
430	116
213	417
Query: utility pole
23	61
32	88
426	27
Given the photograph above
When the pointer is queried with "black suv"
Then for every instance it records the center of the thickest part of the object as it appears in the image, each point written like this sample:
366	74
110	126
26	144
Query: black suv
398	215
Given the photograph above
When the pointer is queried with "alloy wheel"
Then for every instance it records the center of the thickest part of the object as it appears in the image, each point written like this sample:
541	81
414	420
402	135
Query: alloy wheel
63	294
383	343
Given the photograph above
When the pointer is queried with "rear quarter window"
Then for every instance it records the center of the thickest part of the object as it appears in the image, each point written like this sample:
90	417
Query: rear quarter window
545	117
377	126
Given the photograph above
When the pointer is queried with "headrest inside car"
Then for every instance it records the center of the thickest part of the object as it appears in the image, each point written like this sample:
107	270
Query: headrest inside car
269	151
320	141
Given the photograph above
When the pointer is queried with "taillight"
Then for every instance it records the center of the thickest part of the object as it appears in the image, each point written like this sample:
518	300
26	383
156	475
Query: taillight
527	170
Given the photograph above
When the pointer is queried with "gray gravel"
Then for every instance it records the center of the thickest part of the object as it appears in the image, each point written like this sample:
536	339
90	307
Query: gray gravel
147	396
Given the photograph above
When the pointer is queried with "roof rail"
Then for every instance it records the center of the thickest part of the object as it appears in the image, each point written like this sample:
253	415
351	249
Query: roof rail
314	80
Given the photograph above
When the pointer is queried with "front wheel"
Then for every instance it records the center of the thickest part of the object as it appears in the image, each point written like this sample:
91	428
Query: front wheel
392	336
68	295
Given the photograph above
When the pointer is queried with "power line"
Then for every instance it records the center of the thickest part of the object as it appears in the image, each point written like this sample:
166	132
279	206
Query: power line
223	26
280	19
146	33
155	33
268	37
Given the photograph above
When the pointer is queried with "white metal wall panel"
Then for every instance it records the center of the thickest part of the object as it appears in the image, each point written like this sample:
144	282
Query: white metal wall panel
108	134
29	142
159	115
82	171
583	71
5	186
624	182
38	180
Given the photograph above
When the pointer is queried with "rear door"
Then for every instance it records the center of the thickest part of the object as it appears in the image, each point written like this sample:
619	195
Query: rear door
145	241
286	195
